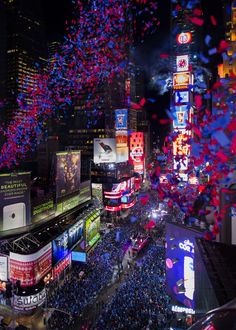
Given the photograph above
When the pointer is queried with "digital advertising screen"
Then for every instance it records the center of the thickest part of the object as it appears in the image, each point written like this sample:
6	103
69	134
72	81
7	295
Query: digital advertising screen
75	233
78	256
31	268
60	248
180	144
181	97
122	154
136	157
97	191
181	80
121	138
104	151
92	229
61	266
180	263
67	172
15	211
180	116
121	119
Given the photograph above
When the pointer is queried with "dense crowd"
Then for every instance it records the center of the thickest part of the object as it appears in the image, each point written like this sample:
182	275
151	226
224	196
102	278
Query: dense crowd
76	293
141	302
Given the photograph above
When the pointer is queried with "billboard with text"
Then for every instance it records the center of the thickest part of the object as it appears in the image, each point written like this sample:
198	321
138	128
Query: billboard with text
14	200
136	156
30	268
121	119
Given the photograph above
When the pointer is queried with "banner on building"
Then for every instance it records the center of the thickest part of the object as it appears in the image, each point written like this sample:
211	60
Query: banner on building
121	119
104	150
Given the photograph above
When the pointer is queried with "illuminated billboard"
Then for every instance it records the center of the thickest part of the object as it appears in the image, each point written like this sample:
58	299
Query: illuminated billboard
67	172
182	63
184	38
14	200
75	234
3	268
181	97
136	156
180	263
30	268
181	80
92	229
104	150
122	154
97	191
180	144
60	248
121	116
121	138
180	164
180	116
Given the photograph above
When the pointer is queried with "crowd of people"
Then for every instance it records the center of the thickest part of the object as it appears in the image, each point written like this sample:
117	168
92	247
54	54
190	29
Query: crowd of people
144	286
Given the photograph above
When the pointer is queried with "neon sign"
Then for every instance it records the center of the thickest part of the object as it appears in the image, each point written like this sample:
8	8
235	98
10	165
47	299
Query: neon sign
184	38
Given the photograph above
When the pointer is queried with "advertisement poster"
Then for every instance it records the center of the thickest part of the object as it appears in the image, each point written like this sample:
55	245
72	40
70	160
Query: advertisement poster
137	151
67	173
3	268
180	263
60	248
14	200
121	119
180	144
92	229
104	151
75	233
31	268
180	116
61	266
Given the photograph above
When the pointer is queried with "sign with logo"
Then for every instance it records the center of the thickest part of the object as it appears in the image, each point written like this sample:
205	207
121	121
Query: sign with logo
181	309
121	119
182	63
181	97
181	80
180	144
184	38
27	303
180	116
104	151
137	151
121	138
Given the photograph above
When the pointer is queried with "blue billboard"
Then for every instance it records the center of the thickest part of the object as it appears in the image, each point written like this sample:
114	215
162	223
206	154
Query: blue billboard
180	116
60	248
180	263
121	119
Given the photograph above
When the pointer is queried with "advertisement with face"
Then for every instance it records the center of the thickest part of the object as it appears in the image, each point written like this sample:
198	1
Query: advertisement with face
92	229
121	119
104	151
31	268
67	173
60	248
180	263
75	233
14	201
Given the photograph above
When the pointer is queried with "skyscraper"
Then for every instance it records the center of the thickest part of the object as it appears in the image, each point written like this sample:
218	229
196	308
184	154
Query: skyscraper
22	51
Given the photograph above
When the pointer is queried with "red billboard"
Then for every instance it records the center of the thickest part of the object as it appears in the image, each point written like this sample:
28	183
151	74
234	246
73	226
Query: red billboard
136	156
30	268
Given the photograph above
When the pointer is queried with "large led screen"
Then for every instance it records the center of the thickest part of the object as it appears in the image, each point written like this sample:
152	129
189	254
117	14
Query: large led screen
31	268
104	151
180	263
137	151
60	248
180	116
92	229
75	233
14	200
67	173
